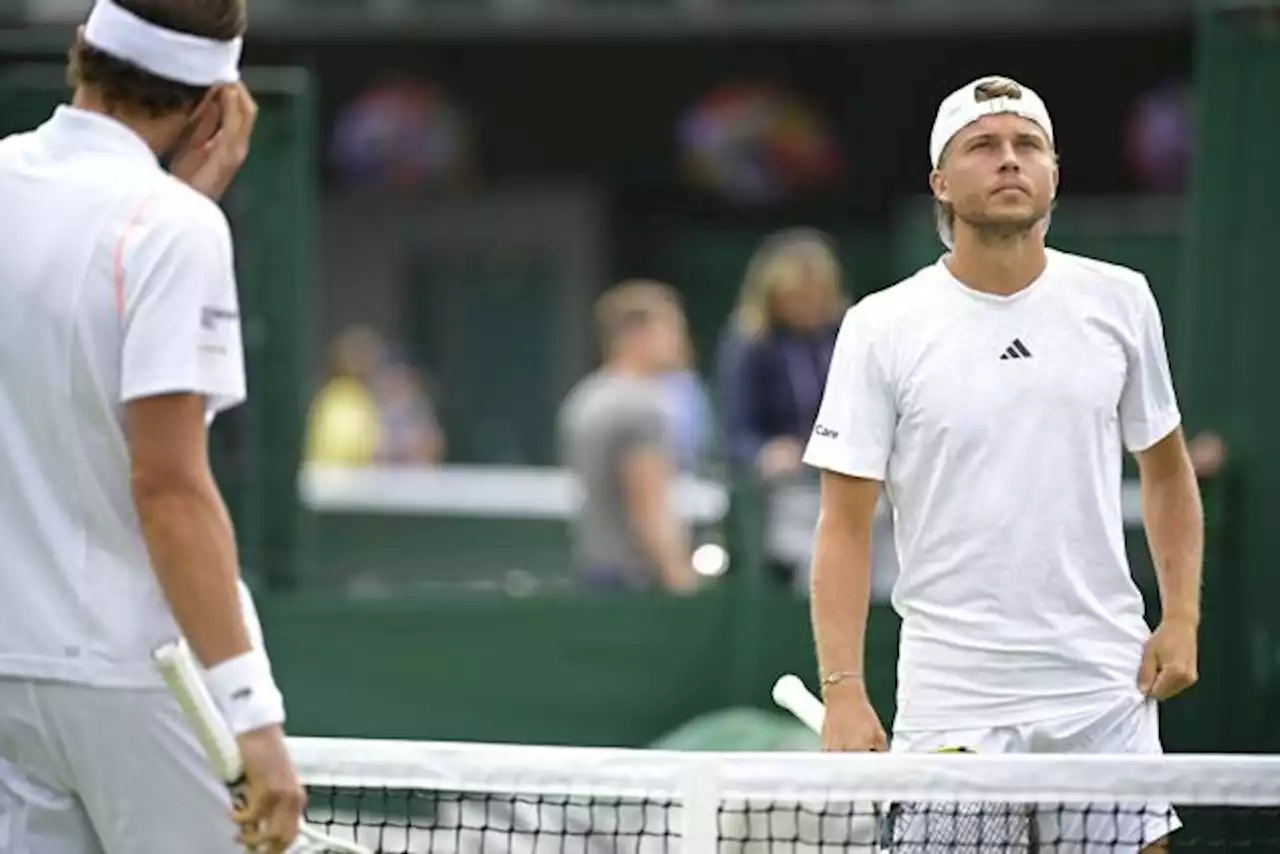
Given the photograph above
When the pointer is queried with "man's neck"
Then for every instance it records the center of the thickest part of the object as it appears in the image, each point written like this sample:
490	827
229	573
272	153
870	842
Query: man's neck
1001	267
627	367
153	132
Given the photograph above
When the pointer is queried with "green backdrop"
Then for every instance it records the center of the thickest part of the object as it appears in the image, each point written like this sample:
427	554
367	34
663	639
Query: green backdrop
555	669
1229	302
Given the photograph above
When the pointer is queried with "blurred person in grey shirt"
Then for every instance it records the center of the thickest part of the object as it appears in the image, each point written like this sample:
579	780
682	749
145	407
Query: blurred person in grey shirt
615	436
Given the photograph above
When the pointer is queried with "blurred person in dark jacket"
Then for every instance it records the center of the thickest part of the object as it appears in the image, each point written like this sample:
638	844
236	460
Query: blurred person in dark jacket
774	362
616	436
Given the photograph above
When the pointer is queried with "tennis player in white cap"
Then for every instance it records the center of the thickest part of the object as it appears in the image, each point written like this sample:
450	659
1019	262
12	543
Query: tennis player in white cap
992	394
119	341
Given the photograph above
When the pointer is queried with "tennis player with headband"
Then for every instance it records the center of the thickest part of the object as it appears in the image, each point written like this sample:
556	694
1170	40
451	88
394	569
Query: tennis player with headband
991	394
120	341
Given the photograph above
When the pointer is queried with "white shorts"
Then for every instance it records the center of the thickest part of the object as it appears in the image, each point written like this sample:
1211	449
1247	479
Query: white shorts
1129	725
104	771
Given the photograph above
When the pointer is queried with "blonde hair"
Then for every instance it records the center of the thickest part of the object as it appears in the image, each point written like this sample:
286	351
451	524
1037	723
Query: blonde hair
629	304
781	262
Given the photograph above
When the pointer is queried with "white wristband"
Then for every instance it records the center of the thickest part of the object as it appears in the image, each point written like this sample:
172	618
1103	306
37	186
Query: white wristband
246	692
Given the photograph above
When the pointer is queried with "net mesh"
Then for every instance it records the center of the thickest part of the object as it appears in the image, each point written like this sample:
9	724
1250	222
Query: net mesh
402	797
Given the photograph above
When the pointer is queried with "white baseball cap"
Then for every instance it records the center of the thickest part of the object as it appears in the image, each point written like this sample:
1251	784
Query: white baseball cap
962	108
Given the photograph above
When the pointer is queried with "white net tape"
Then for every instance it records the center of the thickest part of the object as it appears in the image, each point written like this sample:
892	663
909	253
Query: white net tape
448	798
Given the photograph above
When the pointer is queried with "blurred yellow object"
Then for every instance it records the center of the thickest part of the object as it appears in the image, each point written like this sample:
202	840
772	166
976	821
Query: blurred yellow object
342	426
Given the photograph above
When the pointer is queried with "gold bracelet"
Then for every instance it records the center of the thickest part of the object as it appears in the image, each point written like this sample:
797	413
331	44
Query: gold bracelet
838	676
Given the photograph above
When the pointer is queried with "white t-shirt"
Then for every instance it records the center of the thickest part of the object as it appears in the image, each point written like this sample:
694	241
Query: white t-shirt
116	283
997	425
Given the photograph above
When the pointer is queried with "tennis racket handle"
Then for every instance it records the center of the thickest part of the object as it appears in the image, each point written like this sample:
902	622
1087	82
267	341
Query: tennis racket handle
790	693
181	673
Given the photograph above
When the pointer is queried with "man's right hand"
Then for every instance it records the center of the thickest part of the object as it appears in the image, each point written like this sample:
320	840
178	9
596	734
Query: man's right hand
680	579
272	813
851	724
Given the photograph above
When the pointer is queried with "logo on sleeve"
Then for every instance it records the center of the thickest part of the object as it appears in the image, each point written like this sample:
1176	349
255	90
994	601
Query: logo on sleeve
825	432
210	317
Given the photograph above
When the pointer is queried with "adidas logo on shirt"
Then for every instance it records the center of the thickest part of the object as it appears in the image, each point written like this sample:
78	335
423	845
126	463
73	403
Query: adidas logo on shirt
1016	350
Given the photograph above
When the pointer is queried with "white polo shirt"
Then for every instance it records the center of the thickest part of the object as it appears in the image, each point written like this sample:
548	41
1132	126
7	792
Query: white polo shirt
997	425
116	283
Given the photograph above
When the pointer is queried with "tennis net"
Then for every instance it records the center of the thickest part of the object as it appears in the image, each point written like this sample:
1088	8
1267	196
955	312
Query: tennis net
400	797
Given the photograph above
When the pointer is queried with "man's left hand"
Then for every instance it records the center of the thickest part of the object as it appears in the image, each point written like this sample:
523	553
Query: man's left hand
219	144
1169	660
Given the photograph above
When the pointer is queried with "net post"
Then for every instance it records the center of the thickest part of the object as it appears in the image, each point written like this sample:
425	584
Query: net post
700	805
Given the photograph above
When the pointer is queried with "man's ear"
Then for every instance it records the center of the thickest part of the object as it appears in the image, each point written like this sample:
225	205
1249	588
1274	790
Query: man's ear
938	184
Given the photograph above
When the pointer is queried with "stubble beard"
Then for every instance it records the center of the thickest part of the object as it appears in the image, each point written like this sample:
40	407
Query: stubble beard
992	230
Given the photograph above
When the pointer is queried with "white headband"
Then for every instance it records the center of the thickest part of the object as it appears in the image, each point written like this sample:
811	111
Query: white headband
962	108
175	56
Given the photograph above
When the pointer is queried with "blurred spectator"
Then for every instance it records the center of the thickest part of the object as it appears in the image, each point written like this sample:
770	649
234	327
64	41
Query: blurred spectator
756	143
731	351
1159	134
409	433
615	435
690	413
777	352
406	134
342	425
373	410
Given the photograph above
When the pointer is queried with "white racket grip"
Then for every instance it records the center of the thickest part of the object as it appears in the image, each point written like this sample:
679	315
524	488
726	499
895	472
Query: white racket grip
181	674
790	693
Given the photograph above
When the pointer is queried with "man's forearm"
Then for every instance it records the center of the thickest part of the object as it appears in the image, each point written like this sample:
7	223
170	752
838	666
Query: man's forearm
840	581
665	547
192	548
1174	520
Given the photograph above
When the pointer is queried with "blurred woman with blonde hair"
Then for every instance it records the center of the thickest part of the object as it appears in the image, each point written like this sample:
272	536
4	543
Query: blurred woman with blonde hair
785	325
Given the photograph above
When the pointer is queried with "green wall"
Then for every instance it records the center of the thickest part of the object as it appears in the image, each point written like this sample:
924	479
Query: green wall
1229	303
554	669
395	550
